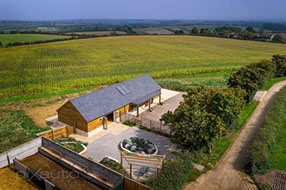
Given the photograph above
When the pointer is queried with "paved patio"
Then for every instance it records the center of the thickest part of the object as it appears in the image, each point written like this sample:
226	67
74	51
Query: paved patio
158	110
108	144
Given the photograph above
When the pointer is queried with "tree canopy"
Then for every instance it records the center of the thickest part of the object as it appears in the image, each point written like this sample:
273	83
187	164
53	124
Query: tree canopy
204	115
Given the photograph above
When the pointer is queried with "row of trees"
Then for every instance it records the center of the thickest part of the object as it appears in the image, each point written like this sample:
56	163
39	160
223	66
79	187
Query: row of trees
207	114
234	32
254	76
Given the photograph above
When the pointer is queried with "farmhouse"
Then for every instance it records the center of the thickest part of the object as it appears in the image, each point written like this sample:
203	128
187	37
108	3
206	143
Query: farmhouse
92	112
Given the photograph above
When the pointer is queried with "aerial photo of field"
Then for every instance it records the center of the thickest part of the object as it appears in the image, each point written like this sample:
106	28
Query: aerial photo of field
97	61
10	38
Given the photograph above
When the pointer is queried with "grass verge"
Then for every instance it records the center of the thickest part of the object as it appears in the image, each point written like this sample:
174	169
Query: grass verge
271	82
278	152
269	143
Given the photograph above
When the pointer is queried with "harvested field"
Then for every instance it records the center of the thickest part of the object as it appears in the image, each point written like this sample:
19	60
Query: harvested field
156	31
56	173
99	33
11	180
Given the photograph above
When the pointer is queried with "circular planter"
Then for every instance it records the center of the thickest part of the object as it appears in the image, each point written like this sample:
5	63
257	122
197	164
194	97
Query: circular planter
127	150
80	153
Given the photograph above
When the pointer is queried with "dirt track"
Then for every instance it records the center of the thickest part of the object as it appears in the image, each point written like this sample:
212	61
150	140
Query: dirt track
226	175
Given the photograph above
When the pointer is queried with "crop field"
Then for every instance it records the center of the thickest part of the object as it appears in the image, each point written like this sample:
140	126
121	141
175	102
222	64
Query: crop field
97	61
9	38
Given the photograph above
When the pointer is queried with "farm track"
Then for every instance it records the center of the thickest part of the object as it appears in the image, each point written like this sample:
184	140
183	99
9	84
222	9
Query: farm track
227	174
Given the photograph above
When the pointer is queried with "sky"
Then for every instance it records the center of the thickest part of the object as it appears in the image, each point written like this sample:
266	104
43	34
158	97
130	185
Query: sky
142	9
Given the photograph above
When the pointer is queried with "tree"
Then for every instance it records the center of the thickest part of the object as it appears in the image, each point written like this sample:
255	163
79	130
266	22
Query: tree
224	103
1	44
280	62
191	127
278	38
252	77
250	29
204	115
261	31
247	35
231	36
195	30
204	31
179	32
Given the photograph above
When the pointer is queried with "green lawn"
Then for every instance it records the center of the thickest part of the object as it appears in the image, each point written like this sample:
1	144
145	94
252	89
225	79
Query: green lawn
9	38
278	154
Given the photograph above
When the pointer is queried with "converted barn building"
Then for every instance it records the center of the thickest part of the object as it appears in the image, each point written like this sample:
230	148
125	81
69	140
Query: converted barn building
92	112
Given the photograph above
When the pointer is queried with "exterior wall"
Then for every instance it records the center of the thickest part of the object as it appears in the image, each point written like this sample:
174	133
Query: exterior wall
97	123
68	114
20	152
94	124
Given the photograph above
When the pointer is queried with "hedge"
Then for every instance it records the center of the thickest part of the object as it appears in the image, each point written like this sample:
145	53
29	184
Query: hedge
252	77
257	160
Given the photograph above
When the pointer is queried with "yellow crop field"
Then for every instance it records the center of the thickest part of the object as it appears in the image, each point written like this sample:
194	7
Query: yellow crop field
96	61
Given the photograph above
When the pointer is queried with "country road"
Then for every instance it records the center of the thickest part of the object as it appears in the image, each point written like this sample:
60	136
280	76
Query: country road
226	175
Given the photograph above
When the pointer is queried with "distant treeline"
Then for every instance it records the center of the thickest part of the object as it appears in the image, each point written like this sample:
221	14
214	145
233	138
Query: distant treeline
235	33
44	41
275	27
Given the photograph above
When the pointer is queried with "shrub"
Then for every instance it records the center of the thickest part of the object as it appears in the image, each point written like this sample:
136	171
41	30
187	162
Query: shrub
114	165
174	173
252	77
258	155
129	123
280	61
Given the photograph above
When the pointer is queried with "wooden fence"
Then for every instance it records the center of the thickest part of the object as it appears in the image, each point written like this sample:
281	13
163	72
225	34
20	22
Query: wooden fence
57	133
130	184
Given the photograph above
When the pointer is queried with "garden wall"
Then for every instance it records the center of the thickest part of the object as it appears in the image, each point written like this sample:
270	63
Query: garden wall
92	167
21	152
